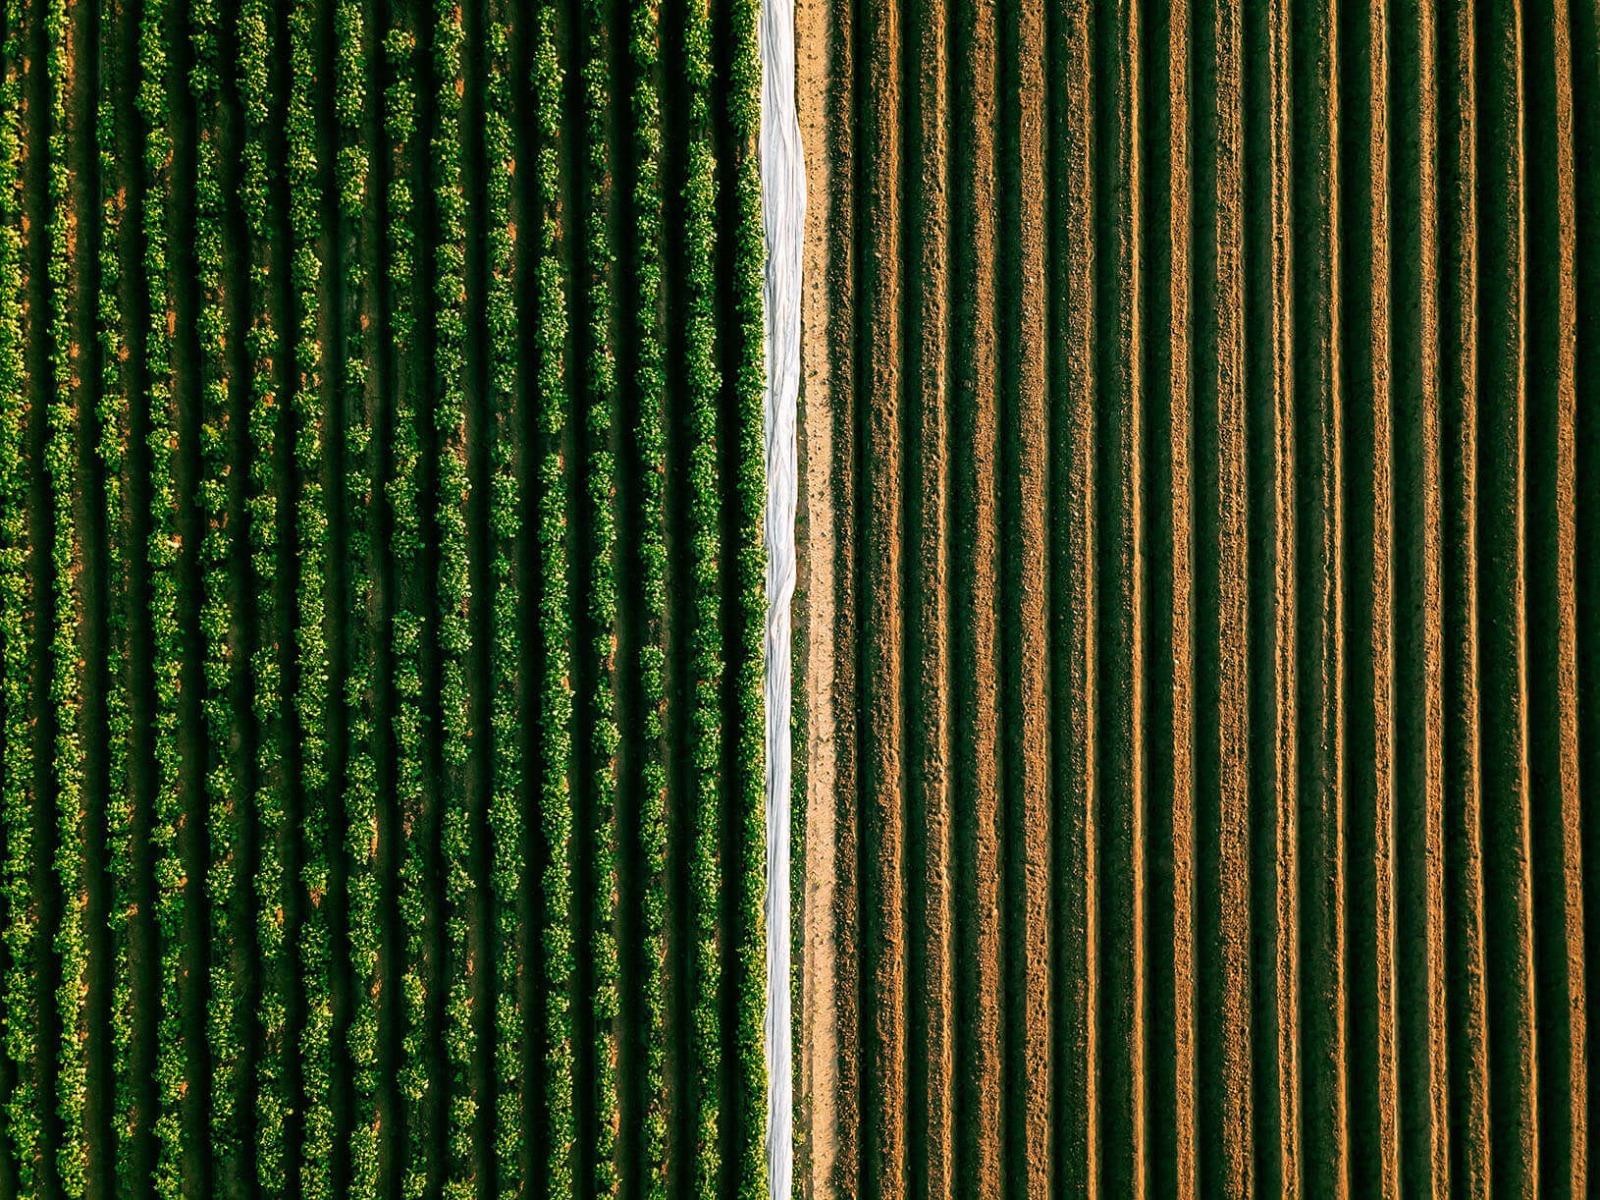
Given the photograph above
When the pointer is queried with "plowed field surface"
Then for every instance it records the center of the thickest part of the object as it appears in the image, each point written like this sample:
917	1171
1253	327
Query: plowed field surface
1201	598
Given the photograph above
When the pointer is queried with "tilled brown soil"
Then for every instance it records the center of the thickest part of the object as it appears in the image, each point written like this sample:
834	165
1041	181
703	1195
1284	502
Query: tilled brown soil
1202	598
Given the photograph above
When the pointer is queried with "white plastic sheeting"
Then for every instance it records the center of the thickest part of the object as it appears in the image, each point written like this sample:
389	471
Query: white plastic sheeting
783	204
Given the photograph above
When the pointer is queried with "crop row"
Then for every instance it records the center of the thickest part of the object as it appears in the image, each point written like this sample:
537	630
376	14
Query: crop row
704	384
651	437
454	589
257	52
66	659
601	552
400	117
16	798
555	628
360	782
115	429
506	533
749	584
311	615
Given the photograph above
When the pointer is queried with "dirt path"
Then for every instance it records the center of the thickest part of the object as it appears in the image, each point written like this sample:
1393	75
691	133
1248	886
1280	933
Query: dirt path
816	1031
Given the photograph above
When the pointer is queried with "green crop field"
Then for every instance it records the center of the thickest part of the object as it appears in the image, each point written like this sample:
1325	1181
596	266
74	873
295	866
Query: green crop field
381	599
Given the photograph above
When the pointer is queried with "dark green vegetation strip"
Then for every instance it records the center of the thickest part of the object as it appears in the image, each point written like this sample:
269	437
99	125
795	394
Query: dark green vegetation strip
272	1100
164	552
348	359
651	449
21	904
355	400
509	543
1209	378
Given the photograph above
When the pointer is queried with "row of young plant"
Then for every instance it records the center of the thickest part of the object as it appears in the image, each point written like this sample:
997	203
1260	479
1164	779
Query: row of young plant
651	437
226	1031
117	177
257	54
554	617
66	657
225	1024
748	791
311	609
360	782
22	1111
506	533
704	385
601	485
454	589
164	552
400	117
